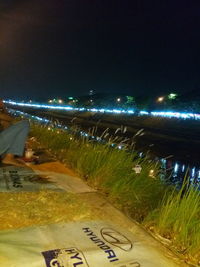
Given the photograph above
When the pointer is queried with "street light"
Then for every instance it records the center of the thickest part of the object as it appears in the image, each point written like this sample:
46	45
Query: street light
118	99
160	99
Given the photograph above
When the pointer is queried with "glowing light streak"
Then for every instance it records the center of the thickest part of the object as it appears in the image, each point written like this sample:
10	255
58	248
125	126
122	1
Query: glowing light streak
143	112
183	168
176	167
193	172
167	114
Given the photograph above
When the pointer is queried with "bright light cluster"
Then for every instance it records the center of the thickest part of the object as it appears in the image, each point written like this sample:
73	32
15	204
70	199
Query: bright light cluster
167	114
179	115
43	106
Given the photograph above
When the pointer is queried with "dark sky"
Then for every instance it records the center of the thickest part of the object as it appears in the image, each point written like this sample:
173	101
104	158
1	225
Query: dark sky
60	48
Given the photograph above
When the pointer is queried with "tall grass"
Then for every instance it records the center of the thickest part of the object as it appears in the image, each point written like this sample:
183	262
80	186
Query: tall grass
107	168
173	213
178	219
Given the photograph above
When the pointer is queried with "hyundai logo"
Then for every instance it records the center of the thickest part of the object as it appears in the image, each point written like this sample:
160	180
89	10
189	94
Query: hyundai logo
116	239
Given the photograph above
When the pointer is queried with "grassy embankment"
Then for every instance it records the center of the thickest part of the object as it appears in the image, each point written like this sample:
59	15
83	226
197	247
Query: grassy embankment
168	212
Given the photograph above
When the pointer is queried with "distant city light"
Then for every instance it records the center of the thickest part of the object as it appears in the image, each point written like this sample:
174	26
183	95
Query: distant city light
172	96
91	92
118	99
60	101
50	101
160	99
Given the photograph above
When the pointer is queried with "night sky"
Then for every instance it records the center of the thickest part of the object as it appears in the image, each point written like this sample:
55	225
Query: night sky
52	48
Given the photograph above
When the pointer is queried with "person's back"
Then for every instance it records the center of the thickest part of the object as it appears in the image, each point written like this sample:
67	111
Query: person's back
12	137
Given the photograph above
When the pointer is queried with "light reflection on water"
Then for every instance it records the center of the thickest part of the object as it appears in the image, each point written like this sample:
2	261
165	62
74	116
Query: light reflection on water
176	172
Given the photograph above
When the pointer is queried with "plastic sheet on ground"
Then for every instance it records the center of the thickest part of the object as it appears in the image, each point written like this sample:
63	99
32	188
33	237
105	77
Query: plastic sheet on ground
94	243
76	240
17	179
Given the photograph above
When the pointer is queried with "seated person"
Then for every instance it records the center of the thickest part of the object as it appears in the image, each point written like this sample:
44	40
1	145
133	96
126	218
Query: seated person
12	137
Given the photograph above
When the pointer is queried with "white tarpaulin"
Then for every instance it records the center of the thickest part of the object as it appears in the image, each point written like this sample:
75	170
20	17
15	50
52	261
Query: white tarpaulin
95	244
17	179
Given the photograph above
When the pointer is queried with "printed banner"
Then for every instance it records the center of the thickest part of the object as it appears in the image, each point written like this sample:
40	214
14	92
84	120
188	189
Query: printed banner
17	179
94	244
